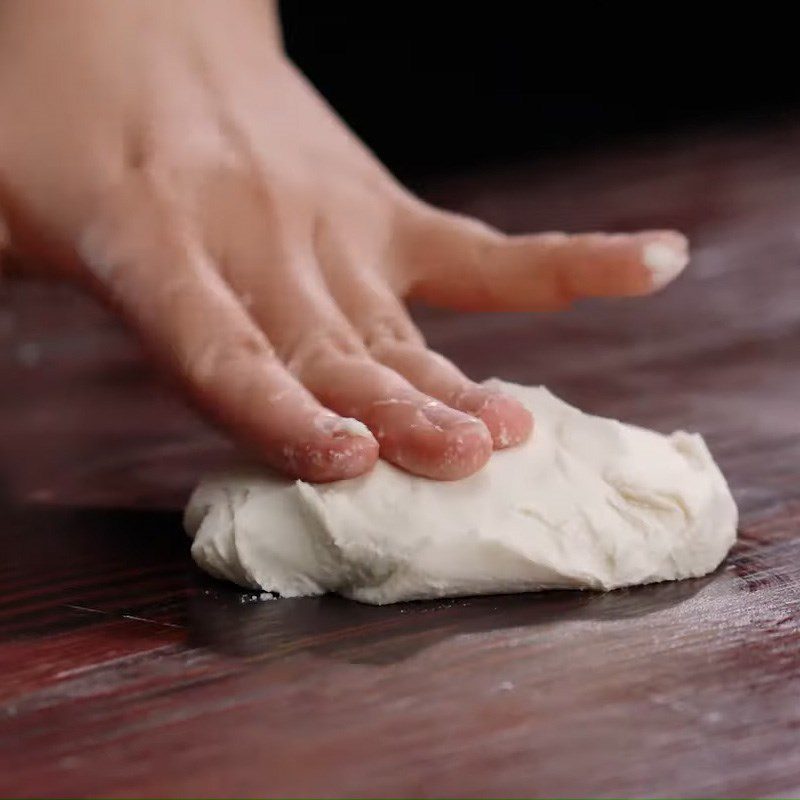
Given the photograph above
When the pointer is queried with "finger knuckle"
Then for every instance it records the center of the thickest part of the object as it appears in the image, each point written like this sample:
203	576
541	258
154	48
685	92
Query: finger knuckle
387	333
212	364
308	349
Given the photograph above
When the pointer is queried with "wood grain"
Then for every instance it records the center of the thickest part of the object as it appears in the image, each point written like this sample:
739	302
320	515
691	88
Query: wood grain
125	672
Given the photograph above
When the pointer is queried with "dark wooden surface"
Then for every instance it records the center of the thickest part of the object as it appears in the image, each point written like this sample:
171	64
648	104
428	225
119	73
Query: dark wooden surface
125	672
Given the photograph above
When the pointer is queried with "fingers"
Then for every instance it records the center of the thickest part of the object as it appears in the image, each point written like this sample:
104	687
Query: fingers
190	319
392	339
312	335
415	431
507	420
460	263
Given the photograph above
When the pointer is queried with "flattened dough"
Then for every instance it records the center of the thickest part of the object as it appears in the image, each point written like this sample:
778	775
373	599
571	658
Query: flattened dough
587	503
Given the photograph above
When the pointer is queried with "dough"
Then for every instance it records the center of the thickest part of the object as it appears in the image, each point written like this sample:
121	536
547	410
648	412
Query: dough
586	503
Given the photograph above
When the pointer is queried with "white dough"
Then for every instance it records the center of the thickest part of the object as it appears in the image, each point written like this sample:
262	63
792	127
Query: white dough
586	503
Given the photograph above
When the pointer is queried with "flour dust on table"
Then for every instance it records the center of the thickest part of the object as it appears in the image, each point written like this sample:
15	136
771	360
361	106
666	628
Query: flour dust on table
585	503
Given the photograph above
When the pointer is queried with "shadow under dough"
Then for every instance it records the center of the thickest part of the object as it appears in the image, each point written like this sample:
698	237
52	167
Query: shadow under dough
241	625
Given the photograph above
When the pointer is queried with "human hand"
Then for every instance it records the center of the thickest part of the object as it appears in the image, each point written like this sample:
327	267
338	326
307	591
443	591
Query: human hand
171	159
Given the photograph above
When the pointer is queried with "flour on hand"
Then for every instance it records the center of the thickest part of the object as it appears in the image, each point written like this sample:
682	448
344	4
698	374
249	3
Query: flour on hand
586	503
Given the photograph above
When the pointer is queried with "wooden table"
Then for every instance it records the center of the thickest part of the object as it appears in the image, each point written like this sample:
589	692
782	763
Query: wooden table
125	672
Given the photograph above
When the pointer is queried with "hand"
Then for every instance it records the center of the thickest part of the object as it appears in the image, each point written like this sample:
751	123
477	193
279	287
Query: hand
168	156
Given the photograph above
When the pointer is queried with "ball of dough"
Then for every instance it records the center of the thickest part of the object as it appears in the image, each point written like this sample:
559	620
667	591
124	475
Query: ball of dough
586	503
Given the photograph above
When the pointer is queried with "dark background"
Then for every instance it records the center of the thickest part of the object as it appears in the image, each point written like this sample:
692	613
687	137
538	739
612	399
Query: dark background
435	87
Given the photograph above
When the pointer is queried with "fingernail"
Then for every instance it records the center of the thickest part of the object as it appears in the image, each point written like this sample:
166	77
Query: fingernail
339	427
508	421
444	417
664	262
473	400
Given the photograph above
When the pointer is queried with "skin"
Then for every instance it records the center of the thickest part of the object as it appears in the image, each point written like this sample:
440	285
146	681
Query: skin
168	157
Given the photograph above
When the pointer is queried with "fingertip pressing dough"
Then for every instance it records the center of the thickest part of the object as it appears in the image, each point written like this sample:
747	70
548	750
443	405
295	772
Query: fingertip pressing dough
585	503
